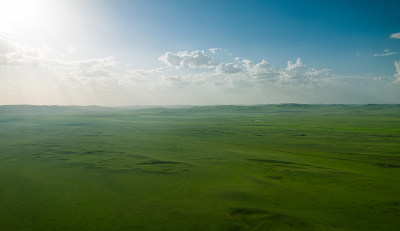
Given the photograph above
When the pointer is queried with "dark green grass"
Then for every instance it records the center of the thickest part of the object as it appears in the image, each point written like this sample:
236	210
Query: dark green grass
274	167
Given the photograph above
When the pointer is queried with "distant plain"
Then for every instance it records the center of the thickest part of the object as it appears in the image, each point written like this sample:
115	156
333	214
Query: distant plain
262	167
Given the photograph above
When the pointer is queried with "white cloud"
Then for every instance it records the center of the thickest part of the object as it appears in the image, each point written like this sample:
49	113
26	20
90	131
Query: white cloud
194	59
186	77
262	69
18	54
214	50
228	68
43	57
100	67
184	69
149	72
242	72
70	49
397	74
296	67
93	72
293	70
397	65
5	47
395	35
95	63
385	54
171	59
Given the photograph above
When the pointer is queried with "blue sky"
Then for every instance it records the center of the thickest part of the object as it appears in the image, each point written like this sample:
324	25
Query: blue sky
199	52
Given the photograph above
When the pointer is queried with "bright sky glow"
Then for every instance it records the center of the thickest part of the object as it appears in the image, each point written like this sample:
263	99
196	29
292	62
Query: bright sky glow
22	11
121	52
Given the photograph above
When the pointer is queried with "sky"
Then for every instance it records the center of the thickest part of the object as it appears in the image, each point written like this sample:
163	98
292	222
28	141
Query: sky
175	52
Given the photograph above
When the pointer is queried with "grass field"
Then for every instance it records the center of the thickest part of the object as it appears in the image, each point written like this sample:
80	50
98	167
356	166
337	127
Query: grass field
273	167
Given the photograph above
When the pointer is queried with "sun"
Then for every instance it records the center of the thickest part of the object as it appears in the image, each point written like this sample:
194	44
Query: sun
30	21
15	14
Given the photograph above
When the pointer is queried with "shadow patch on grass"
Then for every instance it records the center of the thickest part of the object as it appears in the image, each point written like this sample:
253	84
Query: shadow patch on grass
281	164
115	160
160	162
395	204
162	166
388	165
287	165
259	219
238	196
292	171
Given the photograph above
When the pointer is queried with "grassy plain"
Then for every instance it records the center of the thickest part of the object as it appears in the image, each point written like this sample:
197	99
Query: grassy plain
267	167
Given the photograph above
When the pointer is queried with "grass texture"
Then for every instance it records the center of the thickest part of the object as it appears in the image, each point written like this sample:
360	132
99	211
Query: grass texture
266	167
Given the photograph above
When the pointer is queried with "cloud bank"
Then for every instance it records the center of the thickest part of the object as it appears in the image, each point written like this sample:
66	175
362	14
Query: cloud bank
183	77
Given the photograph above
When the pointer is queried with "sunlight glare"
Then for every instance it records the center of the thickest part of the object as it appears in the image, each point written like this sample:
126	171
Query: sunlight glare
23	11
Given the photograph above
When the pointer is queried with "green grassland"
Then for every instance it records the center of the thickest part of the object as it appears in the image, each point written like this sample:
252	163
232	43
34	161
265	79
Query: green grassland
267	167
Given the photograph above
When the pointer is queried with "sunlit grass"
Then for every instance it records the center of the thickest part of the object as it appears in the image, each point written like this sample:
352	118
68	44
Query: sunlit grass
276	167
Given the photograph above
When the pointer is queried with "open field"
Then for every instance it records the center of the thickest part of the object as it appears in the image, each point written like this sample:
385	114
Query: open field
273	167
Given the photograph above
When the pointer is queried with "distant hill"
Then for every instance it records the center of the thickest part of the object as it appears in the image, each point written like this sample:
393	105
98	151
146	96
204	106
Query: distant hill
269	108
